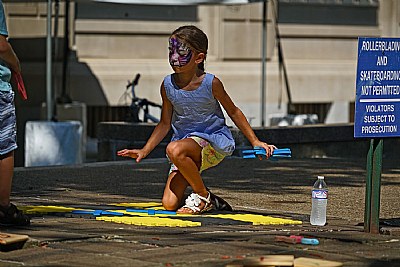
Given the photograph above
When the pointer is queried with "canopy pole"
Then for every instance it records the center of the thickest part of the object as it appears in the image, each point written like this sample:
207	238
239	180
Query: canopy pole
263	62
49	104
64	98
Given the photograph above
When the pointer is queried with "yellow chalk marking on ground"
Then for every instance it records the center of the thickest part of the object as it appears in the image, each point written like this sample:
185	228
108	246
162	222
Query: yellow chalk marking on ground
150	221
145	219
45	209
141	205
254	218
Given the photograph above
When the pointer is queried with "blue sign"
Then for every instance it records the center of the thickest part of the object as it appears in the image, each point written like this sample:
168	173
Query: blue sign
377	110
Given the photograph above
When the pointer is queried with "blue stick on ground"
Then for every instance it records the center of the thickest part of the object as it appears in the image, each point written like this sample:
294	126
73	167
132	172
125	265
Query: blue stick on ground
113	213
259	151
152	211
98	212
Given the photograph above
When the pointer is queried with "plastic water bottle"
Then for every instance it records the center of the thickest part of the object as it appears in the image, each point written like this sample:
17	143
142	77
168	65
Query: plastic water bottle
319	198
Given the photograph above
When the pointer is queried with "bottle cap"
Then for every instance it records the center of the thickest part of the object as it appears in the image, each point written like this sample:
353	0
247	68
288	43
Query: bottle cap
320	177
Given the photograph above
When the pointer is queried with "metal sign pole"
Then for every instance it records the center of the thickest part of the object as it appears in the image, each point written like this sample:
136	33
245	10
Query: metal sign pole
373	186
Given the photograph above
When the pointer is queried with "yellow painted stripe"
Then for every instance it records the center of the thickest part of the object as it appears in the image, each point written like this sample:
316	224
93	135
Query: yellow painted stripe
150	221
254	218
142	218
44	209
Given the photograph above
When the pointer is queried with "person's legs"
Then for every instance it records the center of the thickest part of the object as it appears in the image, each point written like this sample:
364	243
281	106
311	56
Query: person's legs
174	191
6	174
186	155
204	158
9	214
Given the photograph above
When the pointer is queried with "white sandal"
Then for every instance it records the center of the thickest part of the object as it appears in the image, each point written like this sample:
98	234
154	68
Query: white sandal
193	202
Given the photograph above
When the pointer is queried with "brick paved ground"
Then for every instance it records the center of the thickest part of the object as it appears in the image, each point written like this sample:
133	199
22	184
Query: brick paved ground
280	189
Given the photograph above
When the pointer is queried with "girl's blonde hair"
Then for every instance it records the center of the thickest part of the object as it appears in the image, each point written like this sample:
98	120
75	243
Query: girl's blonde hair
195	38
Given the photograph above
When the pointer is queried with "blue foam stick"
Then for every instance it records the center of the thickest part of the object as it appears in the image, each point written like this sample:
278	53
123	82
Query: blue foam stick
97	212
152	211
282	151
259	151
309	241
114	213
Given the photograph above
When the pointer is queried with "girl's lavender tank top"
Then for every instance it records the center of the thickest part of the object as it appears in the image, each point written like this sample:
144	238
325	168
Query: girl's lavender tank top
198	113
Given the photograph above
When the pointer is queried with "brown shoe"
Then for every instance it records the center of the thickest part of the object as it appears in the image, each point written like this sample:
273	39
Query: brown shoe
11	216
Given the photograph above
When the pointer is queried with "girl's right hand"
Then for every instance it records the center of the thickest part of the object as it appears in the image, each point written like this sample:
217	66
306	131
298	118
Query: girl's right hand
132	153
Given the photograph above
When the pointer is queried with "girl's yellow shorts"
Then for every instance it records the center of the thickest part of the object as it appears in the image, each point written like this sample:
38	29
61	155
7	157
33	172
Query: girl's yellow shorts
209	156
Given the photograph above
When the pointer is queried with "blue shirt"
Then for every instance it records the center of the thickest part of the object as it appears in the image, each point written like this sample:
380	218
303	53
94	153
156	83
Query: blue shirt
198	113
5	72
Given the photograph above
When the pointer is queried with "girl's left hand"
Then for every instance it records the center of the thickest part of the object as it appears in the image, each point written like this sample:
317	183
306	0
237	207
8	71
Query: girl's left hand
269	149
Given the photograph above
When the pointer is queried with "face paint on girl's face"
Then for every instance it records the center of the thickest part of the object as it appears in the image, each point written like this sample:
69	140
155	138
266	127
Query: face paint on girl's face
179	53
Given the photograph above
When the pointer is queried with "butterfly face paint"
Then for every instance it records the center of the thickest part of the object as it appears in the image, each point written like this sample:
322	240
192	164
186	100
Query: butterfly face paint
179	53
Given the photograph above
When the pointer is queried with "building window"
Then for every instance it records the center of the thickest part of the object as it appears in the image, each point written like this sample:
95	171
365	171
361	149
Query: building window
136	12
329	12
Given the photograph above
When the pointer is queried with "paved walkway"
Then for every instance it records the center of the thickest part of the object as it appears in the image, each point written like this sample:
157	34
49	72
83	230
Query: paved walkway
258	188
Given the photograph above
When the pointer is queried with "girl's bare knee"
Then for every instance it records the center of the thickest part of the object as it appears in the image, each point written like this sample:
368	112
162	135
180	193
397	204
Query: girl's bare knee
173	150
170	204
